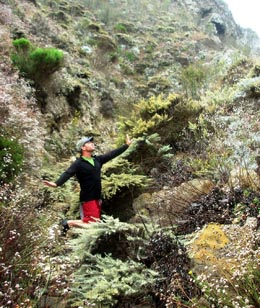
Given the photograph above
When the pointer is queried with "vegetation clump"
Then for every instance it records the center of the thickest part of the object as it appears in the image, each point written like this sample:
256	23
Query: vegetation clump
36	63
238	271
106	43
28	244
111	269
11	159
174	287
167	116
193	78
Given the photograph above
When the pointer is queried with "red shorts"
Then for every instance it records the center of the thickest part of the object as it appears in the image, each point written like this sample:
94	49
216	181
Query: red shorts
90	210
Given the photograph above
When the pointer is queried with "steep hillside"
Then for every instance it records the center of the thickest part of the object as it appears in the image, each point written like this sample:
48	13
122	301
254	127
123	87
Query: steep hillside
183	80
118	52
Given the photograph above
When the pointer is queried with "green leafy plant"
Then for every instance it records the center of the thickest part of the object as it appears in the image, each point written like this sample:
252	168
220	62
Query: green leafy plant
120	174
158	122
105	281
35	63
115	276
249	87
116	182
130	56
11	159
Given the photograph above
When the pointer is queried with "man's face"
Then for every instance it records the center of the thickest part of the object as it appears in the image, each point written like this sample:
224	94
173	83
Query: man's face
88	146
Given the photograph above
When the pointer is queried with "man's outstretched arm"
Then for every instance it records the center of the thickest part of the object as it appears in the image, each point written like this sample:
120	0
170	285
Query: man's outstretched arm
114	153
49	183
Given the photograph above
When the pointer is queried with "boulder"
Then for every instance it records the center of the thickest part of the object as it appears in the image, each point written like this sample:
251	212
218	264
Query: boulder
164	206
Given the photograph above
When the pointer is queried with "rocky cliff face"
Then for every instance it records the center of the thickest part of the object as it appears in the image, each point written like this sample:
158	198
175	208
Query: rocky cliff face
216	13
117	51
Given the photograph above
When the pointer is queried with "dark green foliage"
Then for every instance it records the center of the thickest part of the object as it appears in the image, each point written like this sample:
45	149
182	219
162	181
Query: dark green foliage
107	108
208	208
35	63
119	176
11	159
170	259
119	182
106	43
121	265
106	282
237	71
256	71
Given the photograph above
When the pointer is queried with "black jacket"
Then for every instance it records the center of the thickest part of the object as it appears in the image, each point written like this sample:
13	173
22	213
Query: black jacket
89	176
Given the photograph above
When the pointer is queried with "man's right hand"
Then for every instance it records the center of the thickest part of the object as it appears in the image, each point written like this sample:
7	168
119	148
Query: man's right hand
50	184
128	141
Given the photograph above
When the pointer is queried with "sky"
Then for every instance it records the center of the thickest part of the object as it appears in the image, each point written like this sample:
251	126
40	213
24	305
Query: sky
246	13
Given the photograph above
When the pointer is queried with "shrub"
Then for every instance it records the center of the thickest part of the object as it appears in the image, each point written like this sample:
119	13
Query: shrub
110	269
22	44
20	276
234	282
29	266
35	63
192	78
20	118
48	60
107	108
249	87
11	159
120	28
169	257
106	43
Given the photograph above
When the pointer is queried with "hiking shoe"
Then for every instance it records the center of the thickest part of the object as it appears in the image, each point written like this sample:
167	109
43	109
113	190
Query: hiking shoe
64	227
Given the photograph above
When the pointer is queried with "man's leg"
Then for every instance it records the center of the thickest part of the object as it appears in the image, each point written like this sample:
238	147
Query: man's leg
76	223
67	224
90	211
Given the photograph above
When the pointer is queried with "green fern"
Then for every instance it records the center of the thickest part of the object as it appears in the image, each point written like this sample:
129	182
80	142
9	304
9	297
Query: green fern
116	182
107	226
103	280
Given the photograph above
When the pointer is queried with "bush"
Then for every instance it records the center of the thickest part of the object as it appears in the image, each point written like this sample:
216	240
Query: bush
30	268
35	63
11	159
112	273
193	77
47	60
22	44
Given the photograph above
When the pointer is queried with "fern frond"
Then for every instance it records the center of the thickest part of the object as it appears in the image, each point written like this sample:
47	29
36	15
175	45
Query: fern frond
115	182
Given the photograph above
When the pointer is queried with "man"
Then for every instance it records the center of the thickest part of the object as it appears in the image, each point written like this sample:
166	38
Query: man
87	169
